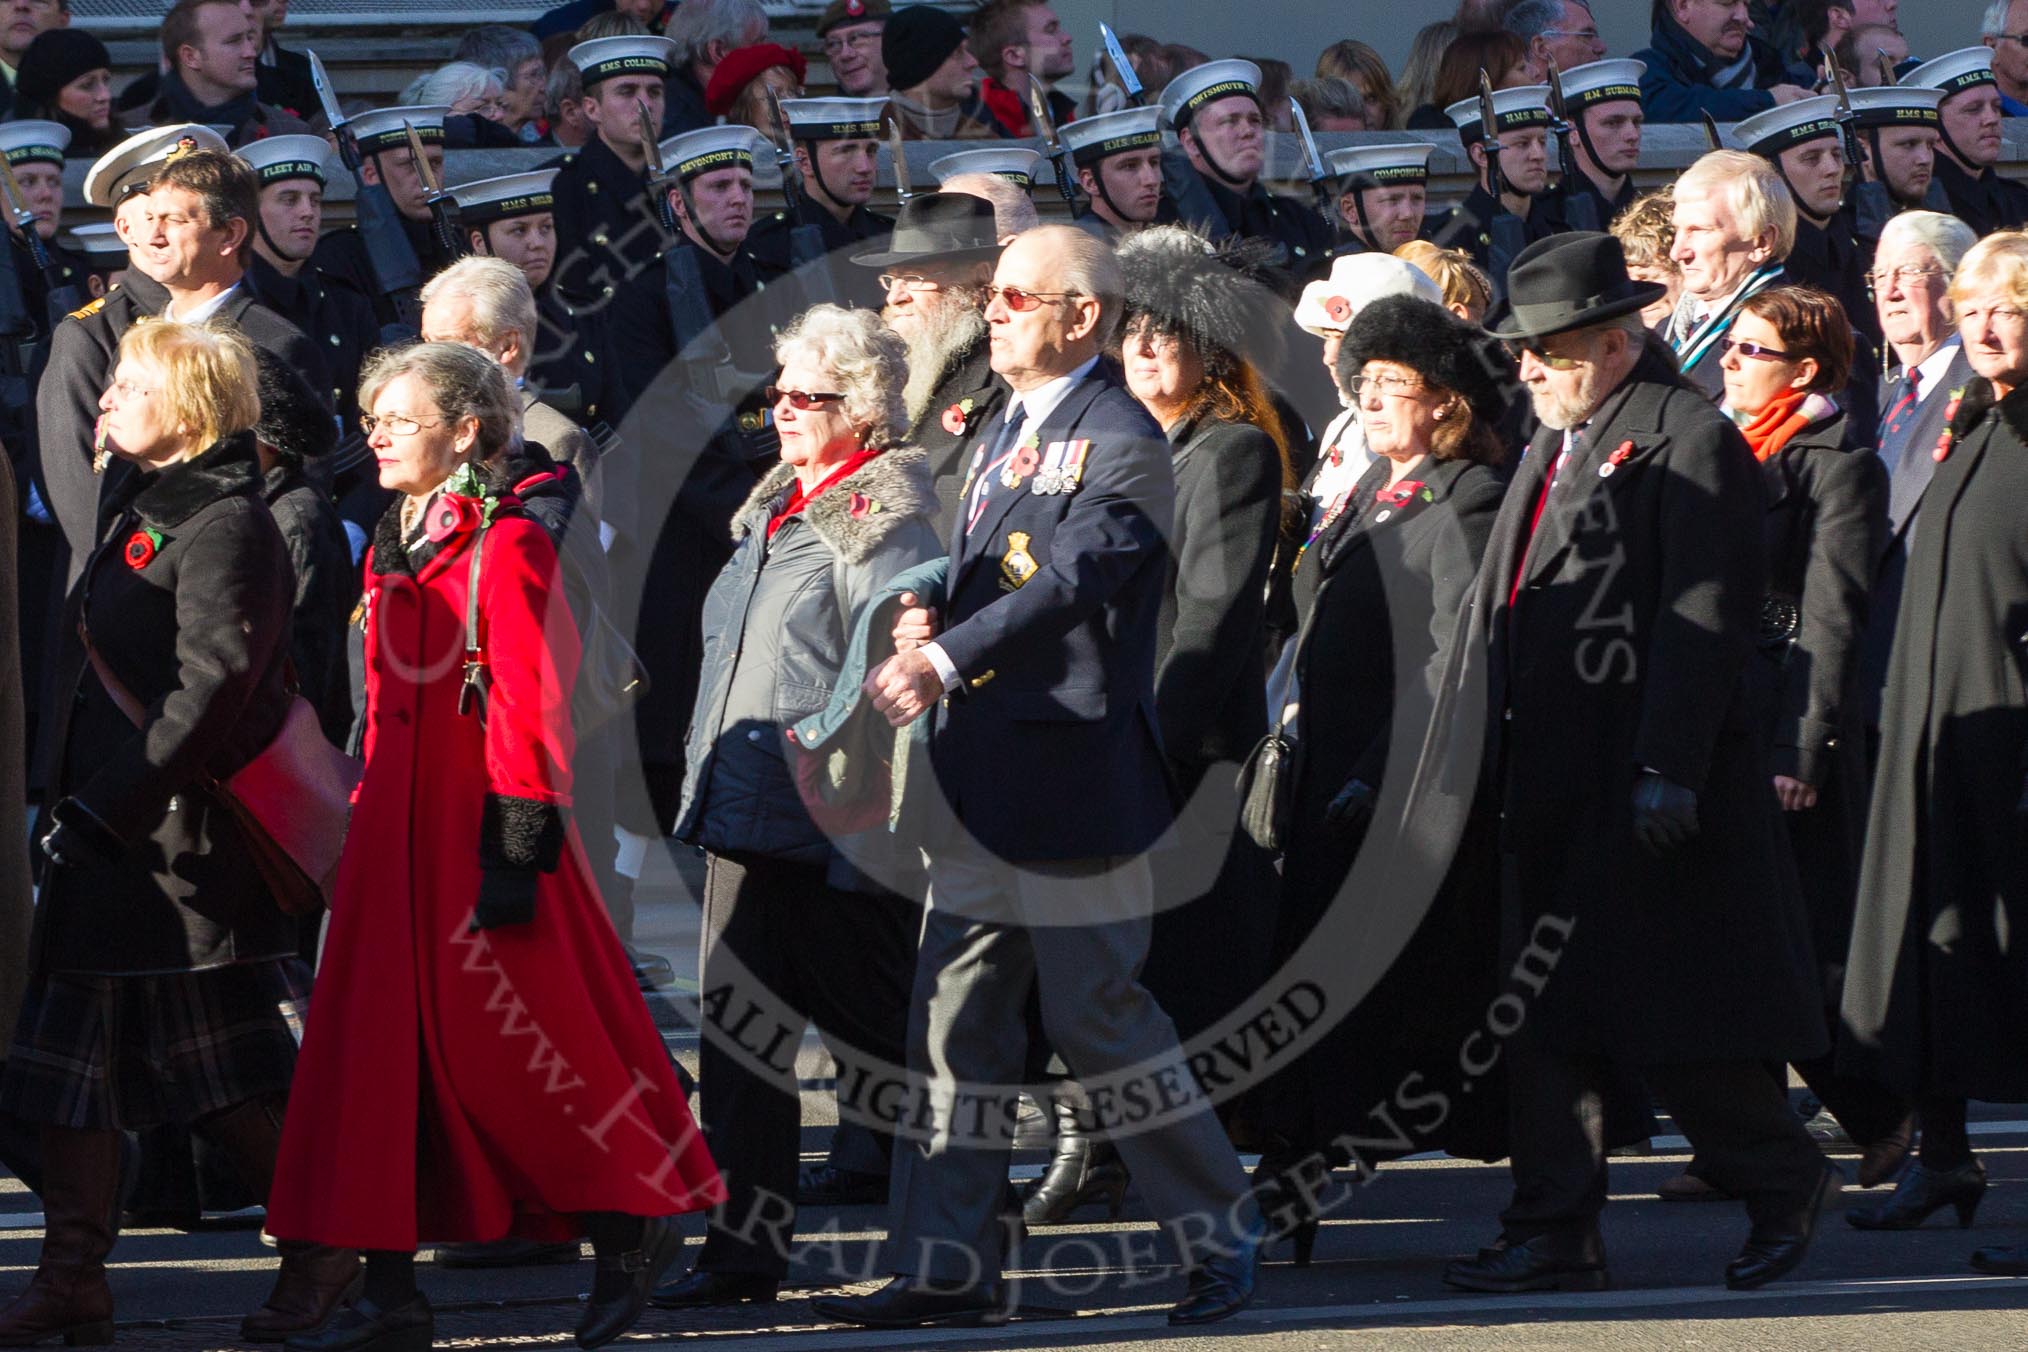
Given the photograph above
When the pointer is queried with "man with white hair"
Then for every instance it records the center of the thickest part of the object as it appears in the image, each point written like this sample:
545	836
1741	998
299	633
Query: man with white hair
2002	27
704	31
1562	31
1912	269
1735	223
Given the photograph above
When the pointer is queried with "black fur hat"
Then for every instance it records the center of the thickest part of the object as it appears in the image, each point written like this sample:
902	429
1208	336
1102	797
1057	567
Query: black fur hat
293	420
1432	342
1222	299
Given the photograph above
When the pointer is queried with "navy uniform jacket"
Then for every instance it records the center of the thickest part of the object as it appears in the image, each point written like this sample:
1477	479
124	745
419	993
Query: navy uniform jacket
336	319
573	368
1256	214
1469	226
606	228
342	258
1985	201
1580	185
850	284
1050	749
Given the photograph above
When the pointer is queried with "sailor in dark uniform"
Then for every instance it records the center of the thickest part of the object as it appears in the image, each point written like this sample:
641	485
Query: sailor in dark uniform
1603	101
293	172
1805	143
607	228
1899	131
1383	198
1118	159
99	251
695	338
512	217
35	151
385	158
1216	111
1493	230
1969	119
837	147
1016	164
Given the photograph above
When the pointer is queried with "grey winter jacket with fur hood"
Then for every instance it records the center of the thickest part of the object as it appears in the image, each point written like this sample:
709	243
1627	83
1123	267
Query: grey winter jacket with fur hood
776	625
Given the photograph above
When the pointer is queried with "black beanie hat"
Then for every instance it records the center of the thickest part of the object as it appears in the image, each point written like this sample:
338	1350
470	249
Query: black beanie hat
54	59
293	420
915	42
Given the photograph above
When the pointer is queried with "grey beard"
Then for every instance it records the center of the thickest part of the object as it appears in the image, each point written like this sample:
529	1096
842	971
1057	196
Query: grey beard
1562	415
948	334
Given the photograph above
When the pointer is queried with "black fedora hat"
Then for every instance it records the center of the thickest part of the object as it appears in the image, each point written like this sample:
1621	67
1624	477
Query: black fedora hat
948	225
1571	281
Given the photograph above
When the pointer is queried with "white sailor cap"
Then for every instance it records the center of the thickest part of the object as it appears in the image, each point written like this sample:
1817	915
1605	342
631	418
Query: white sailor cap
1330	304
282	157
28	141
1014	164
1514	109
1954	72
1091	139
1785	125
485	200
1598	82
692	153
1896	106
603	58
1183	96
380	129
834	119
129	164
99	241
1384	166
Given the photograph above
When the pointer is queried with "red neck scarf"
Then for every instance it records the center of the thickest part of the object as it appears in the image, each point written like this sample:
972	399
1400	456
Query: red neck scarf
798	499
1770	429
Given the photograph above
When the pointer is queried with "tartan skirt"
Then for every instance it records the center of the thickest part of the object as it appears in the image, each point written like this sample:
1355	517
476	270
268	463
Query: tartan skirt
100	1052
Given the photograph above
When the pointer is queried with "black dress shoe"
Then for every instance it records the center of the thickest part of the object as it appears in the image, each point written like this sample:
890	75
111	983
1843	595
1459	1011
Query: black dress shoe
509	1253
697	1290
908	1302
828	1185
1922	1192
1543	1263
1221	1285
2002	1260
1776	1248
364	1327
622	1281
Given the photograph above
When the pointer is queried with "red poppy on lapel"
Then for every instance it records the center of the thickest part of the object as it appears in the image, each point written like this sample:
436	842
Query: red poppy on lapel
141	548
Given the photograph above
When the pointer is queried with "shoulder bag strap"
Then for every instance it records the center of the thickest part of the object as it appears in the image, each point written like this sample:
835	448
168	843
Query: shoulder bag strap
472	694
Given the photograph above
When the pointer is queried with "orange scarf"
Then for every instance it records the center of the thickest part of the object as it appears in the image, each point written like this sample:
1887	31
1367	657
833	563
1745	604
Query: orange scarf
1770	429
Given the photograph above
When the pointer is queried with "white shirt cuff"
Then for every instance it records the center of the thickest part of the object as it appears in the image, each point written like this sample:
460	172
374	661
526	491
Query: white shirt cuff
946	672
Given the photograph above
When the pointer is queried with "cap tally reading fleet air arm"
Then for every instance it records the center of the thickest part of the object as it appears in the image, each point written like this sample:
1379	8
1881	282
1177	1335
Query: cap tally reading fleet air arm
381	129
485	200
1896	106
129	164
1015	165
1091	139
1515	109
1388	166
834	119
605	58
1786	125
1598	82
31	141
686	156
1199	86
284	157
1954	72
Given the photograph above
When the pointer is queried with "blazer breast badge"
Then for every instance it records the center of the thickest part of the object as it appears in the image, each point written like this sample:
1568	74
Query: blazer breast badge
1017	565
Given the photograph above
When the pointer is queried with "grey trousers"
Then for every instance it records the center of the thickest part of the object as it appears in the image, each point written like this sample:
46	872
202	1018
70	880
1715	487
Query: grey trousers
985	946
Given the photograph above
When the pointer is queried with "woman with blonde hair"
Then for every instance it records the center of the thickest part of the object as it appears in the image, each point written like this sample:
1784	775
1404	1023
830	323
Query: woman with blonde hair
165	986
1468	292
1366	70
1646	231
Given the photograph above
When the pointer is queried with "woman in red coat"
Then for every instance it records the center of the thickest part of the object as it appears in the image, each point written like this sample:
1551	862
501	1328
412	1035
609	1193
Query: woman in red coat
478	1061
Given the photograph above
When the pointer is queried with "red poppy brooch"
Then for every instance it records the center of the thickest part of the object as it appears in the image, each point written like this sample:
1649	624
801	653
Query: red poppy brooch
958	417
861	507
142	546
1404	492
1943	443
1339	309
448	515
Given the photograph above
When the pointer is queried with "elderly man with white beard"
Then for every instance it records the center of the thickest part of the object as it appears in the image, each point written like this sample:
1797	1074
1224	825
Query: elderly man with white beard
935	270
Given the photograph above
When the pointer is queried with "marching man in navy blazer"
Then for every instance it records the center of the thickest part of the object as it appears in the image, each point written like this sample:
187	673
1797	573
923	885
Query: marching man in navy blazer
1038	669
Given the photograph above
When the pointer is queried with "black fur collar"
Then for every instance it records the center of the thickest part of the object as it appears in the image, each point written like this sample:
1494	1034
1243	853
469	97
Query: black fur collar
171	496
1978	399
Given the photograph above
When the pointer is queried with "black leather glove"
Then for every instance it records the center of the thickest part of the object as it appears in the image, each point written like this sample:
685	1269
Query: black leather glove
1665	813
1353	805
506	897
76	838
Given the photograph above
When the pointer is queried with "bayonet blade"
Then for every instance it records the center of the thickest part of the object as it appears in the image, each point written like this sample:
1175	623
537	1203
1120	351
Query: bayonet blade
1887	79
1558	109
423	170
326	95
902	188
651	149
17	201
1489	121
1038	108
1129	80
1711	133
1310	152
